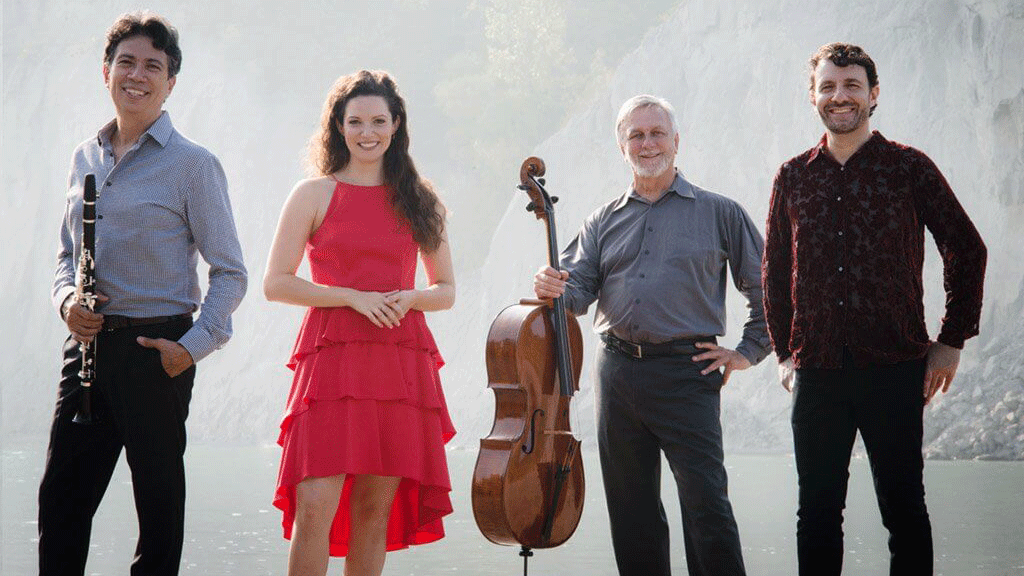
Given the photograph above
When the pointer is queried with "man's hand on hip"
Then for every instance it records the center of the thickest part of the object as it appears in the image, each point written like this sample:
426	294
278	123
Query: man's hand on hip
941	365
730	359
173	356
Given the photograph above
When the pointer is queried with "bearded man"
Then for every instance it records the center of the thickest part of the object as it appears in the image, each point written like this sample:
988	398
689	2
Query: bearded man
656	259
843	298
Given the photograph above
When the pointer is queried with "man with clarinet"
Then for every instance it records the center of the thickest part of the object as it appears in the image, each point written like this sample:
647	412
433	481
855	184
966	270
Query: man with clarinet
162	201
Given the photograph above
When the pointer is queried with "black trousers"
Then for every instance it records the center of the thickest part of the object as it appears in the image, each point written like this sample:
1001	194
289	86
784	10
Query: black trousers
884	403
664	404
137	407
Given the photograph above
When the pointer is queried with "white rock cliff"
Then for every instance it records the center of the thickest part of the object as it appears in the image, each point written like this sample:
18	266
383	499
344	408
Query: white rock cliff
951	85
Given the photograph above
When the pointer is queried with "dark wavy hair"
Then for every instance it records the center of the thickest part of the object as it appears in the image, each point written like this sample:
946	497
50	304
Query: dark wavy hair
148	24
843	55
413	197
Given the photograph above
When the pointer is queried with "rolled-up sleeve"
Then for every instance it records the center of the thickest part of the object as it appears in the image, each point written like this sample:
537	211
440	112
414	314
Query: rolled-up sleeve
212	226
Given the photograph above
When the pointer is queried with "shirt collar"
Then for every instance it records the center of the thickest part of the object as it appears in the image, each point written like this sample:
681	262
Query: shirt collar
160	130
821	149
681	186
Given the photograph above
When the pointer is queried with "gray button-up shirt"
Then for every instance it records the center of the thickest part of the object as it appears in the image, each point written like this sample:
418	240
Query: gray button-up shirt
163	203
658	270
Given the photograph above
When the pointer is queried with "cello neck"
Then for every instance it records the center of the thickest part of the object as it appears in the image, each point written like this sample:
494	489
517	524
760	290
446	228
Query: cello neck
543	205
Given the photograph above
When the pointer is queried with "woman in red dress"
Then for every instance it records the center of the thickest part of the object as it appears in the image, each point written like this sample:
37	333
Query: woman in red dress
363	468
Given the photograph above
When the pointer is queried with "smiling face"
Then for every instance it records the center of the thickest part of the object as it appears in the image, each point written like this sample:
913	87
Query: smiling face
649	142
137	77
367	127
843	97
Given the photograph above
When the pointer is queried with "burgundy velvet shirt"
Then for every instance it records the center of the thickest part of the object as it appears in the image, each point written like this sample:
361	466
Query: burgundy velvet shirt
844	249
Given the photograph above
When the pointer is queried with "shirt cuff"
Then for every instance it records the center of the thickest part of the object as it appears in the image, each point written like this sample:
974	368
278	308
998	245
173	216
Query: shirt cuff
60	297
783	354
198	343
951	340
752	352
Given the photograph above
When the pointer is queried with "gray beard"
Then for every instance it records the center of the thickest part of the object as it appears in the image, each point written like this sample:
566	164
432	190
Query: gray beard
664	163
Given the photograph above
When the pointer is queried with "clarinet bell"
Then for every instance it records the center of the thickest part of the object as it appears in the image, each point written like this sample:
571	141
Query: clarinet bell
84	413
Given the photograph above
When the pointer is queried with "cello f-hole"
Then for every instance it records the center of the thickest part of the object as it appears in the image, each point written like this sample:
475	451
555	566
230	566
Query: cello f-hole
531	440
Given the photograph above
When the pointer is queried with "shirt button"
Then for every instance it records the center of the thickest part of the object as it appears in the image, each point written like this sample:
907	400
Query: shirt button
840	268
650	229
108	183
643	275
637	300
838	198
840	232
840	302
647	251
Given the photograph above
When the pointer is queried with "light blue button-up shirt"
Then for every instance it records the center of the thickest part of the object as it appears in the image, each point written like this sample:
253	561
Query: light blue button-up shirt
164	203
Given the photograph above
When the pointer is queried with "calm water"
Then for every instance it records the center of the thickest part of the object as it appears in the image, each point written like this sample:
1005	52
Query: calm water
977	511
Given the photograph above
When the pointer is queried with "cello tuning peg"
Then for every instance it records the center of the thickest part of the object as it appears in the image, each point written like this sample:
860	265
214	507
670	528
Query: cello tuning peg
542	181
554	199
523	187
530	207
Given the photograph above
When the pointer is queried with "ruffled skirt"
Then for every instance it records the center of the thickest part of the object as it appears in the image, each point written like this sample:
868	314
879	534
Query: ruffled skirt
368	401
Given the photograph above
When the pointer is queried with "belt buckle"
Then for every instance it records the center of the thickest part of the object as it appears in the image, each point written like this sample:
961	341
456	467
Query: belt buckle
630	348
624	346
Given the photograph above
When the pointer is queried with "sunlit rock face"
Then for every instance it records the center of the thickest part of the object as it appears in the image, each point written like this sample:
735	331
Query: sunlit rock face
951	85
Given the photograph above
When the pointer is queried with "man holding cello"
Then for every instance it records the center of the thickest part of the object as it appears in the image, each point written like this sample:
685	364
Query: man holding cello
654	260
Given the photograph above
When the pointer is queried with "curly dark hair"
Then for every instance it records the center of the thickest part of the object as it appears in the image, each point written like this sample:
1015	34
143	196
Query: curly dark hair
148	24
413	197
842	55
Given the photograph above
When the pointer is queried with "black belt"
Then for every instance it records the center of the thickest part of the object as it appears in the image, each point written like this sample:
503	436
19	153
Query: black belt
644	350
113	322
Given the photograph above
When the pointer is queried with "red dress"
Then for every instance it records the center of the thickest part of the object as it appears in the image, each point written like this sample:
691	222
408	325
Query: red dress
366	400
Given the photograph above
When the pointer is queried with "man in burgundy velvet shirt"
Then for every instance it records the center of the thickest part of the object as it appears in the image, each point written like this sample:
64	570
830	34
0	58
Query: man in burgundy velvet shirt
844	250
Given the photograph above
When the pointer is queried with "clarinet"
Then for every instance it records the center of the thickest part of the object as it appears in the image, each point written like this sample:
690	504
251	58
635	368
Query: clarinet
87	272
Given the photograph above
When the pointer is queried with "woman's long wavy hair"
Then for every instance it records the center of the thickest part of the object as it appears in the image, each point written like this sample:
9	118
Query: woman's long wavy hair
413	197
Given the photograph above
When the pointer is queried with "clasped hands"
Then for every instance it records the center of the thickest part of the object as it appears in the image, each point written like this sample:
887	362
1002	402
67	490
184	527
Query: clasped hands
384	309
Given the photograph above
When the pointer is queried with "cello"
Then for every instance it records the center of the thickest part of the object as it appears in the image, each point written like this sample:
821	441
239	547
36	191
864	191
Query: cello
528	479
